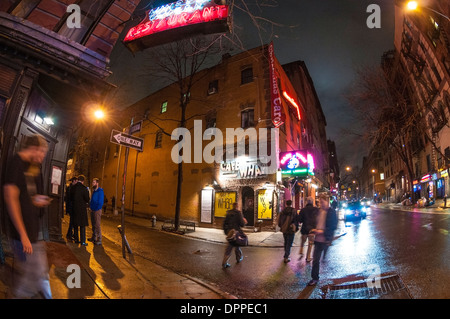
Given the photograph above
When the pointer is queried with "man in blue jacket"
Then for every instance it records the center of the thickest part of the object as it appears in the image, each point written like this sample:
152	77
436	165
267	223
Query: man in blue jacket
96	205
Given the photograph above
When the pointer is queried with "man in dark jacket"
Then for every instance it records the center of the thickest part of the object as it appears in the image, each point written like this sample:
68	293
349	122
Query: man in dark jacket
234	220
288	223
308	219
80	199
324	231
69	208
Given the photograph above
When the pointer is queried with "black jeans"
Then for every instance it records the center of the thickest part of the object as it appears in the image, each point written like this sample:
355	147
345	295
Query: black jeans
318	249
82	234
288	240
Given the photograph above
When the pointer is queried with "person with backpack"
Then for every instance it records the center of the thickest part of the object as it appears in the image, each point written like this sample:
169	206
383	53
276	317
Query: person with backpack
288	223
232	224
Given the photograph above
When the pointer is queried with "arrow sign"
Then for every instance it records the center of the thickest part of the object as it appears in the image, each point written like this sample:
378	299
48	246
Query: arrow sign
121	138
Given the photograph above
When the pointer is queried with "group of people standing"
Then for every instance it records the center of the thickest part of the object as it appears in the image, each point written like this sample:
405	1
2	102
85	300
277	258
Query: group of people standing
317	227
78	201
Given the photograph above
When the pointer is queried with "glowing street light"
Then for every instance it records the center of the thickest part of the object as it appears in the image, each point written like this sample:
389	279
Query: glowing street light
414	5
99	114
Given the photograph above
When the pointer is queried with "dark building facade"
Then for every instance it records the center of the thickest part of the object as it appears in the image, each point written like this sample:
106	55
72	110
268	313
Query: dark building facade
51	76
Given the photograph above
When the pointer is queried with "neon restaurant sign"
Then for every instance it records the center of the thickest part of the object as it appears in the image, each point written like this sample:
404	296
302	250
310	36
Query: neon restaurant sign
178	20
297	163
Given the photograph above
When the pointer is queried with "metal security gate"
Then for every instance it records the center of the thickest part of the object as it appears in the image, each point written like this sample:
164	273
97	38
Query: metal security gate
391	287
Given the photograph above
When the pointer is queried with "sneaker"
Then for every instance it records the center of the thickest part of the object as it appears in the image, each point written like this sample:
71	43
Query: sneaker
308	260
83	244
312	282
97	243
286	260
224	266
240	259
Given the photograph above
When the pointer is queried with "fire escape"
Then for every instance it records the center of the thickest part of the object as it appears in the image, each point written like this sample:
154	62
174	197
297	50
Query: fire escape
411	45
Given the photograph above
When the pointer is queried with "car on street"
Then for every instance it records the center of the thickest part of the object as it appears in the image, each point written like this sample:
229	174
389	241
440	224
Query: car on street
365	202
355	211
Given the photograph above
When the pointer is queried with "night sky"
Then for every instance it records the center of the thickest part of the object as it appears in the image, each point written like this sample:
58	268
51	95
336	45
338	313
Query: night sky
331	36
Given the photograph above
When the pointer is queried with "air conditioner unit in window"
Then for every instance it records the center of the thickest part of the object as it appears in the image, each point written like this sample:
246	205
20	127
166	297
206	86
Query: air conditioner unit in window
212	90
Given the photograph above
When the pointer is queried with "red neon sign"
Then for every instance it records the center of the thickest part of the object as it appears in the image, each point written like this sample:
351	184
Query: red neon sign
207	14
292	101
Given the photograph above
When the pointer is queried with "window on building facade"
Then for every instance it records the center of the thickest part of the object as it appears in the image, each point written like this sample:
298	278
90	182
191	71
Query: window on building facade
447	155
213	87
22	9
91	11
210	119
247	75
158	139
164	107
247	118
2	109
428	163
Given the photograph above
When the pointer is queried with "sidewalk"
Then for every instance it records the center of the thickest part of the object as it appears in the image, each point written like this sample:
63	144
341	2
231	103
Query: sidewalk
268	239
105	274
437	208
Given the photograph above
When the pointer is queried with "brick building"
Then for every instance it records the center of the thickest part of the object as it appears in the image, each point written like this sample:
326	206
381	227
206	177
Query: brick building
234	94
51	75
420	66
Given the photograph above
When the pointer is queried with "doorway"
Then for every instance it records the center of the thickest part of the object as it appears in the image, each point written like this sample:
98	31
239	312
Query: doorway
248	205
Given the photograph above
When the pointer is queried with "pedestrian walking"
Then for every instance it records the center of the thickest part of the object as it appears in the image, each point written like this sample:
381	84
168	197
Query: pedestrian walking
80	198
308	219
69	209
233	222
25	200
95	206
288	223
324	232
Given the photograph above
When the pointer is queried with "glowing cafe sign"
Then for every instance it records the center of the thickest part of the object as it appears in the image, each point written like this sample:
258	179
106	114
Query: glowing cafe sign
242	168
297	163
177	20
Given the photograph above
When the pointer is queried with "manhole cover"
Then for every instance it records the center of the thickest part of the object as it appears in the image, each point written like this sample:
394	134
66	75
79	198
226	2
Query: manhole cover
391	287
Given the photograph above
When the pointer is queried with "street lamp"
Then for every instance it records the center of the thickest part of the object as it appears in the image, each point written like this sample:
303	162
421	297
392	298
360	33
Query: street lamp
414	5
99	114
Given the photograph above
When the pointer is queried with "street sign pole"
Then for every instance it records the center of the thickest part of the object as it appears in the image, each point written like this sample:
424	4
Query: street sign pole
122	226
129	141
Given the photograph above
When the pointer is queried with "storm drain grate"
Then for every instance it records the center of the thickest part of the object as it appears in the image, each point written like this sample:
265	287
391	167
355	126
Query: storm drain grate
391	287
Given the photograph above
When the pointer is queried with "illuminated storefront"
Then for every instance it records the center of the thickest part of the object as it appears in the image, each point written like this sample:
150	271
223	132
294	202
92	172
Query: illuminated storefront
297	171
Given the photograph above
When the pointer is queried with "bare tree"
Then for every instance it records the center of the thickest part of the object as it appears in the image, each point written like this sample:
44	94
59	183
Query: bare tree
383	105
179	63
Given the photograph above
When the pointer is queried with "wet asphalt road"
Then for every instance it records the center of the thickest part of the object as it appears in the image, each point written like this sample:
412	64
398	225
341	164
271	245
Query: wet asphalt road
414	245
